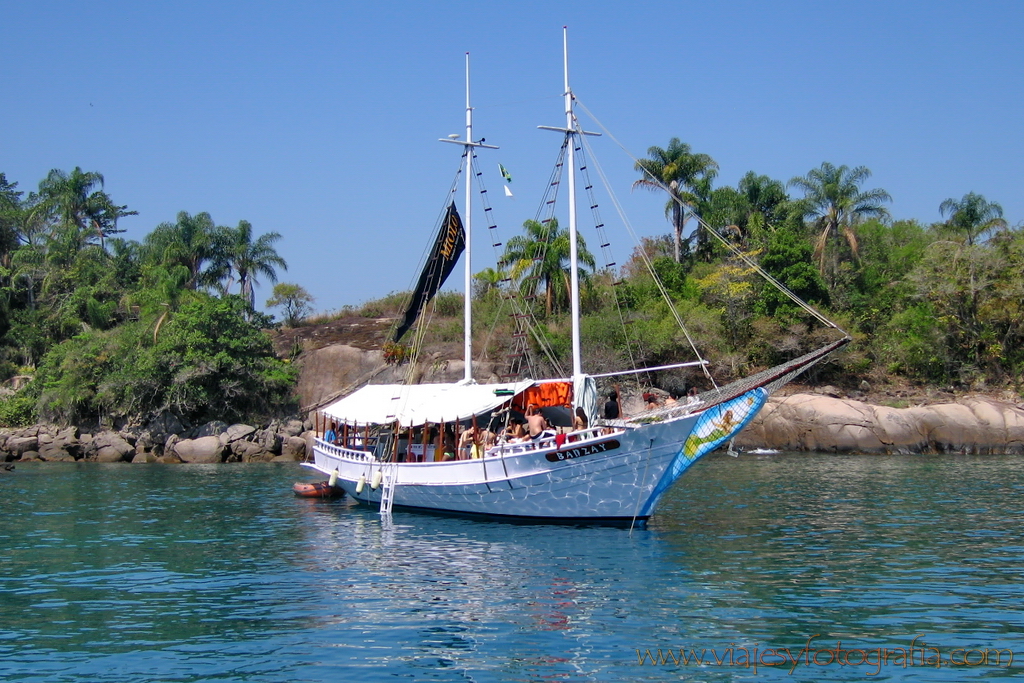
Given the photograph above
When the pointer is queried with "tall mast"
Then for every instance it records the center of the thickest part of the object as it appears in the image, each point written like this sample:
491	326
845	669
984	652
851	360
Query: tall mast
467	213
572	132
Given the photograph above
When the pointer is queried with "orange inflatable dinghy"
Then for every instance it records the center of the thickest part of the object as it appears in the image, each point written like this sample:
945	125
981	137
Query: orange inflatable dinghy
318	489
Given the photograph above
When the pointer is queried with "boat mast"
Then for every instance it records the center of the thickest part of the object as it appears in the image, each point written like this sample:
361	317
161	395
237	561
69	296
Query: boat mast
574	276
468	222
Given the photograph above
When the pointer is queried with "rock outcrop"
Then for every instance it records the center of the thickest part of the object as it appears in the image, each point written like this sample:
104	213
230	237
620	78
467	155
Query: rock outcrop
810	422
164	440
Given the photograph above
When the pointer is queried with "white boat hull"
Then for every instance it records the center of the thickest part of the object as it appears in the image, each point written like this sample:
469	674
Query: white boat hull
604	478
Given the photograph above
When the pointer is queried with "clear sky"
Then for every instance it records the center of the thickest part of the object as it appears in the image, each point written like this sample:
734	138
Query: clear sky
320	120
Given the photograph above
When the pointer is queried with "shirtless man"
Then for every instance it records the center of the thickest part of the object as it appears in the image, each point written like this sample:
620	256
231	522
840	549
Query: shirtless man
535	422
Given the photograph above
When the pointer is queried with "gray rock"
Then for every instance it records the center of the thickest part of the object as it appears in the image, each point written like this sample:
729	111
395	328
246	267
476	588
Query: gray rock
236	432
246	451
112	454
144	458
205	449
163	425
19	445
805	422
293	448
214	428
108	446
293	428
269	441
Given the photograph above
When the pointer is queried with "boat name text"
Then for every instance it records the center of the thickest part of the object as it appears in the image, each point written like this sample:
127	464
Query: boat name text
580	451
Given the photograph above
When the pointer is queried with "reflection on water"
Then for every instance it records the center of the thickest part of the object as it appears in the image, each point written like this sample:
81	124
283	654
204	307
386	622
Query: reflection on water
152	573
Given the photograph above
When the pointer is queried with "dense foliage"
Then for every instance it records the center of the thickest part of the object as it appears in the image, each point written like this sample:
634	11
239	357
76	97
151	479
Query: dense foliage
933	304
107	328
96	327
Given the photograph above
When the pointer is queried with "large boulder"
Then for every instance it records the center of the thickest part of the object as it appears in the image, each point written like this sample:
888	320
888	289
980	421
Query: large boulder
246	451
163	425
19	445
214	428
809	422
205	449
293	448
236	432
269	441
108	446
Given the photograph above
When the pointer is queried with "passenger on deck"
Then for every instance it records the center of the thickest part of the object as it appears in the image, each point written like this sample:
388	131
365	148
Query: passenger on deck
611	406
650	401
449	445
515	432
580	421
331	436
474	442
536	424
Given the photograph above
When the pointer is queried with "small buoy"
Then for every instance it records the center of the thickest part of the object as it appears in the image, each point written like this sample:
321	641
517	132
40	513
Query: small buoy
360	484
334	478
377	477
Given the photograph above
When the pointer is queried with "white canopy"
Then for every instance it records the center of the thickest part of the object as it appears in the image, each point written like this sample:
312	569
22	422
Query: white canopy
418	404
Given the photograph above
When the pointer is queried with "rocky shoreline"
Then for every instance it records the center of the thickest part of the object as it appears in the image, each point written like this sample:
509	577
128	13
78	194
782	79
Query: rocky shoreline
823	423
798	422
164	440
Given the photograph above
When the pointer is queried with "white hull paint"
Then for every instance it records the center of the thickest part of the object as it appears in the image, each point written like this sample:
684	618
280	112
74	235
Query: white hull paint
605	477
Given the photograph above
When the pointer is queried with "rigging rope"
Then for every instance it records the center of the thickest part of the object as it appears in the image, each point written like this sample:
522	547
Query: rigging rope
732	248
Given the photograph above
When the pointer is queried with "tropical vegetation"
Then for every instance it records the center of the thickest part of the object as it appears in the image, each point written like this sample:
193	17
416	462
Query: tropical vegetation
97	327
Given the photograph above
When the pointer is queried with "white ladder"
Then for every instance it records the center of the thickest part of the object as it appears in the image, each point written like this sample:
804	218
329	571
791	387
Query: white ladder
388	483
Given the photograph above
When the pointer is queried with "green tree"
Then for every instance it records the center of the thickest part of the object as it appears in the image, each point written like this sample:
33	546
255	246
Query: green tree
211	363
191	242
972	216
676	170
487	282
767	206
10	219
242	258
82	211
541	257
832	197
787	258
295	301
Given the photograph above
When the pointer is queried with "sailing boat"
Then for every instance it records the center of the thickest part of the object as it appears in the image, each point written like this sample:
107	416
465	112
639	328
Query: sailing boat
394	446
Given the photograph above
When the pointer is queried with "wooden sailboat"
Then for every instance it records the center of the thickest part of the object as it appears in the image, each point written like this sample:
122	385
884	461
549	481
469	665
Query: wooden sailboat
394	447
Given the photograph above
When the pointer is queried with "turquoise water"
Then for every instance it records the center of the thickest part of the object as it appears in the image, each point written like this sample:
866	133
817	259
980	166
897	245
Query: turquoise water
218	573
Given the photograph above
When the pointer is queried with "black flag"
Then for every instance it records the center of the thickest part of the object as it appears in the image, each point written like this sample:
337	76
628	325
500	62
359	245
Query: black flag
451	241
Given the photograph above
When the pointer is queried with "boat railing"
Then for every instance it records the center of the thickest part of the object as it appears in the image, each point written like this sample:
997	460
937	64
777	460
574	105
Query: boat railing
500	450
341	451
552	441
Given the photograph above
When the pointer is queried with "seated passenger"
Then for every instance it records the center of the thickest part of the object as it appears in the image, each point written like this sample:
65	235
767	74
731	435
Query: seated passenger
535	422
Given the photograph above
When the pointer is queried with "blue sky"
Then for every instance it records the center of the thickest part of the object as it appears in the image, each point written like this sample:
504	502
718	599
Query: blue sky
320	120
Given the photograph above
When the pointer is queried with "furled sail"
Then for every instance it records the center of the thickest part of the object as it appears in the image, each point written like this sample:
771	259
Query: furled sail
451	241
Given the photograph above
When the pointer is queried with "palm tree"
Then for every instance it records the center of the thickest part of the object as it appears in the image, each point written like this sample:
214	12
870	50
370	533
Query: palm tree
79	206
765	196
542	256
487	282
832	196
244	258
676	170
973	215
188	242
